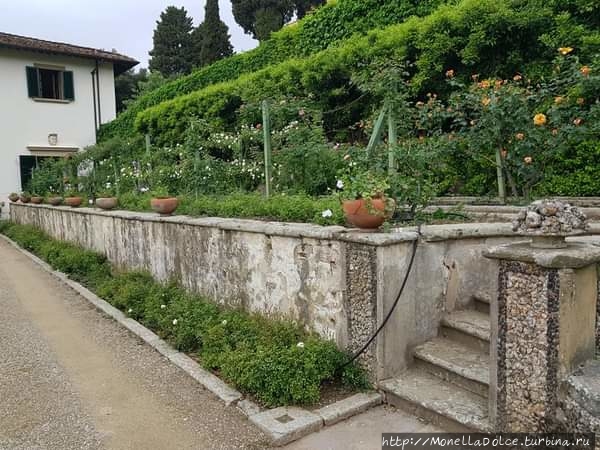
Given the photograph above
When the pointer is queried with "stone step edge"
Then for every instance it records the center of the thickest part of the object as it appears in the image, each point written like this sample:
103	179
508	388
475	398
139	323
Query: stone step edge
473	332
302	423
446	364
390	392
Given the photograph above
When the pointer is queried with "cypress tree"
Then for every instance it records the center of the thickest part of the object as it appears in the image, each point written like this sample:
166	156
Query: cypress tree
172	52
213	35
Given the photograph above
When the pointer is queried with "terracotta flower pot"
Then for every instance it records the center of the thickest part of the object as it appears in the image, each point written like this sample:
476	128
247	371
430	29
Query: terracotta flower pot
73	202
107	203
55	201
25	198
365	214
13	197
164	206
37	200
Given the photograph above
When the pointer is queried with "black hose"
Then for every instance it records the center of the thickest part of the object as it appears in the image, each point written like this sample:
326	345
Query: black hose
391	311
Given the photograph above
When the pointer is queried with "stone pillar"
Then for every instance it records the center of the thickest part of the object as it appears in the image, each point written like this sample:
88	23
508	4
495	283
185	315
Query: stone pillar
546	317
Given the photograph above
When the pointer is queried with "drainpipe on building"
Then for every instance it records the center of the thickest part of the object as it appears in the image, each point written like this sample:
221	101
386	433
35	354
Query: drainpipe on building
98	92
95	110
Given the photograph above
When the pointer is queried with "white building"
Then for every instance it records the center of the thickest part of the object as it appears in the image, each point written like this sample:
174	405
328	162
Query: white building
53	97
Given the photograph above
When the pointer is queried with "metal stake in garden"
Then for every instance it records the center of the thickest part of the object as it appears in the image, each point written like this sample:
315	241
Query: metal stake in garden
268	149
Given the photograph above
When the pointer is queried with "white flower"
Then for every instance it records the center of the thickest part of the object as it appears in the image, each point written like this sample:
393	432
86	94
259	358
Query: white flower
144	189
224	322
163	306
300	345
174	321
130	310
90	201
340	184
327	213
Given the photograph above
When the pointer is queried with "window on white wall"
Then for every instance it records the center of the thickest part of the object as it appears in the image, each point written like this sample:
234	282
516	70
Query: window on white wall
51	84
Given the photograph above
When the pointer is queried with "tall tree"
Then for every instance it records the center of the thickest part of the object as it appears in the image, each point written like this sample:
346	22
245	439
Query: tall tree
126	86
172	52
214	40
260	18
304	6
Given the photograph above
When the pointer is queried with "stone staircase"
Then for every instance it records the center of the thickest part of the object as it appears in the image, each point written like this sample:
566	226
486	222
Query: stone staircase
448	383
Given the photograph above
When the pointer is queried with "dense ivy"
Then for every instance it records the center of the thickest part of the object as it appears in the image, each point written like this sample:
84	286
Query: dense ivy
335	21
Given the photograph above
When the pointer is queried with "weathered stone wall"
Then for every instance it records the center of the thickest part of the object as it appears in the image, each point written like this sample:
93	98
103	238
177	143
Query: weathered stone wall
338	282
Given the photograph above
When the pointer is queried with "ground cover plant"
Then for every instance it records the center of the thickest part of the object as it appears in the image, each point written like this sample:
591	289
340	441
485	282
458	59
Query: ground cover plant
275	361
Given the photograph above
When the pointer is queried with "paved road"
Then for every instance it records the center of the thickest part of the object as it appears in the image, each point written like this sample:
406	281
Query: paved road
71	378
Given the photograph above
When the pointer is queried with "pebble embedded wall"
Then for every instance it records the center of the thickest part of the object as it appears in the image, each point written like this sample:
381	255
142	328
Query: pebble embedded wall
527	346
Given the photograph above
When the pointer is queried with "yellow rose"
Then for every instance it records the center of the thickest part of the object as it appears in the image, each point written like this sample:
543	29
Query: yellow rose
540	119
565	50
558	100
485	101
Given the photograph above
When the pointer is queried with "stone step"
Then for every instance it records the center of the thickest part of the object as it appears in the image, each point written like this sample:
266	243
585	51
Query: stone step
437	401
455	363
469	327
482	305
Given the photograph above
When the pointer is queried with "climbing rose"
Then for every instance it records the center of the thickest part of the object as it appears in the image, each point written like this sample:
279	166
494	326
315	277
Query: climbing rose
327	213
585	71
163	306
340	184
558	100
540	119
300	345
528	160
450	73
577	121
174	321
518	77
565	50
485	101
580	101
130	310
224	322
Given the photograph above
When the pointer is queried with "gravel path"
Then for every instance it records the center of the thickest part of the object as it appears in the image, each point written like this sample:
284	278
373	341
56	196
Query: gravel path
71	378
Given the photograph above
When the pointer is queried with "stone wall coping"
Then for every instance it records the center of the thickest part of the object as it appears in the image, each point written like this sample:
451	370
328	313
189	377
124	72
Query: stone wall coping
429	233
575	256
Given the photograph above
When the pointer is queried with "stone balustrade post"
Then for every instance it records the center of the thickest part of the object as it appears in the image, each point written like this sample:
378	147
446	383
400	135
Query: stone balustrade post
545	327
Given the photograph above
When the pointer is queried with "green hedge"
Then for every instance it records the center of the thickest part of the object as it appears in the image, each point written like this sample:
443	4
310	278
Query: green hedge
279	207
259	356
333	22
490	37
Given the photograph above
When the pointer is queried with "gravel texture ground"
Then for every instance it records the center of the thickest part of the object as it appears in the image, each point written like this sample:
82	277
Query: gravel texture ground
71	378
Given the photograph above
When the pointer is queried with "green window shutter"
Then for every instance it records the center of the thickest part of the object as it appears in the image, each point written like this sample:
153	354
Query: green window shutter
69	89
33	85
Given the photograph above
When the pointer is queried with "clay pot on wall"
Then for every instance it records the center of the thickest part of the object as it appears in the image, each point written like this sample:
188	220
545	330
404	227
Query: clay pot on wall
25	198
107	203
366	214
164	205
14	197
73	202
55	201
37	200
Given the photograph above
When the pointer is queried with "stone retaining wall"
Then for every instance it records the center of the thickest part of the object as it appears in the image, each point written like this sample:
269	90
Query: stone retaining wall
338	282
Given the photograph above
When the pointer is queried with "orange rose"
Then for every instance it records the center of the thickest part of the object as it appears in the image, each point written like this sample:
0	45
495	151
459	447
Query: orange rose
540	119
485	84
585	71
528	160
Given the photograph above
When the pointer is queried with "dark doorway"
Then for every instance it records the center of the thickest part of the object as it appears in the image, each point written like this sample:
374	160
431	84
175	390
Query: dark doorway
27	163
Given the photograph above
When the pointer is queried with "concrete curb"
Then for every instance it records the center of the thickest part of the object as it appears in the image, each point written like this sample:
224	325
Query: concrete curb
282	425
